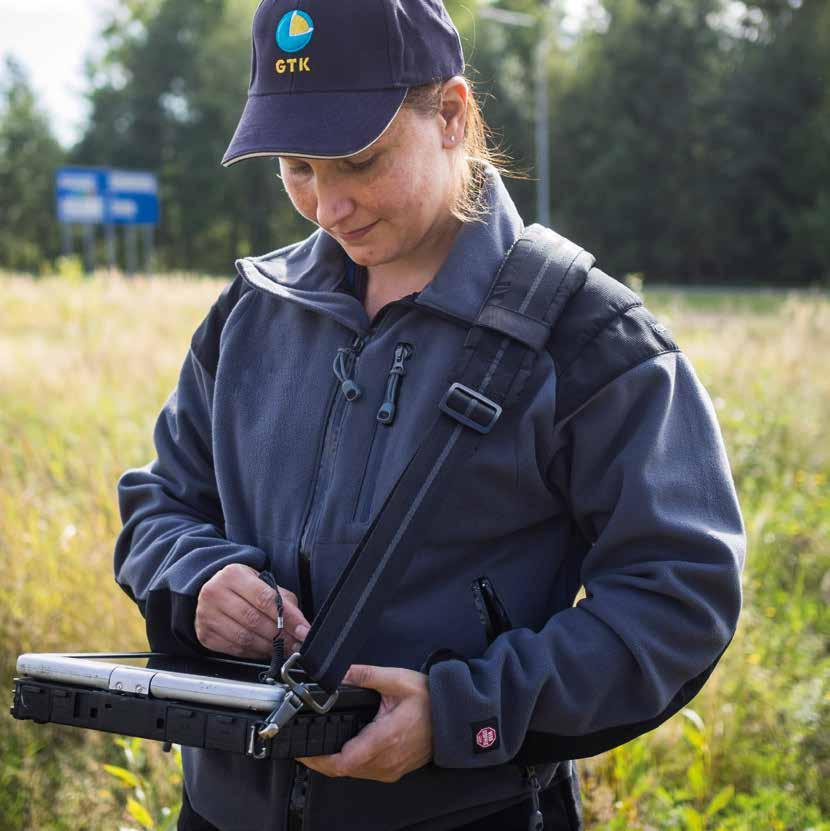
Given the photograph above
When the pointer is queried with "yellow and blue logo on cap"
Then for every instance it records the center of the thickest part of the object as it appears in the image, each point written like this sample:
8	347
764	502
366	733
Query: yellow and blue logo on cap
294	31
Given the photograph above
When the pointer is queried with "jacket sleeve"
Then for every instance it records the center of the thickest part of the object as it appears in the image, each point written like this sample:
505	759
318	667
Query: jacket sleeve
173	536
649	485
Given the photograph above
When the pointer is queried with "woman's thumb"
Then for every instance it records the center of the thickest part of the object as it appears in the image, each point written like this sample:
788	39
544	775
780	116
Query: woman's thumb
382	679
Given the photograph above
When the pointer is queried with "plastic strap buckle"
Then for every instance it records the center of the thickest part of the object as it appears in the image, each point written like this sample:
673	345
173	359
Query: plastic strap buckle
456	403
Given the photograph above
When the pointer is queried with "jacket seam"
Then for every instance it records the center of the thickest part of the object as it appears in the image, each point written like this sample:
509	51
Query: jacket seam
201	365
224	326
605	325
603	387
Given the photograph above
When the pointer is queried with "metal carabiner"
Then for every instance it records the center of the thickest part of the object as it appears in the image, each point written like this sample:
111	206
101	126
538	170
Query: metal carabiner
297	695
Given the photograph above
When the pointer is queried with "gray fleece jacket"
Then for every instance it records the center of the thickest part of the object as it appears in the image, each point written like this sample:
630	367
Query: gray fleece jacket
611	475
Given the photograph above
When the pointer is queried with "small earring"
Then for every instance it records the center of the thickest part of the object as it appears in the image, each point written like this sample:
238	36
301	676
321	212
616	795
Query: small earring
452	138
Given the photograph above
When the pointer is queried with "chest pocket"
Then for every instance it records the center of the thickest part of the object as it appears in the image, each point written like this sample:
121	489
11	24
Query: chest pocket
499	489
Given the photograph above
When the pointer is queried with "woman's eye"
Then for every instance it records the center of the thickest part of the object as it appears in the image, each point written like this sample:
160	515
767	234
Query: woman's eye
299	170
364	165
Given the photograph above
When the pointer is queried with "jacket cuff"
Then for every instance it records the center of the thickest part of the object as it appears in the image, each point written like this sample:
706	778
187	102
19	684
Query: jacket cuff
467	730
170	615
171	623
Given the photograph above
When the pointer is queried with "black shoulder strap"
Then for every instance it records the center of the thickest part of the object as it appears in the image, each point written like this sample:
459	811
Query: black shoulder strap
542	271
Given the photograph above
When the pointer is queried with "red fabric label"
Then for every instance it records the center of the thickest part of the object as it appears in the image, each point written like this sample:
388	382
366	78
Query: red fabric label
486	737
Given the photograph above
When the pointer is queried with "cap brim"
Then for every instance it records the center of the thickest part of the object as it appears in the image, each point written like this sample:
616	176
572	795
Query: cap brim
313	124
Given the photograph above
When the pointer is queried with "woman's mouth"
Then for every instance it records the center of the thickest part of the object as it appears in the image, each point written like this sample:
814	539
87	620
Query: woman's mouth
360	232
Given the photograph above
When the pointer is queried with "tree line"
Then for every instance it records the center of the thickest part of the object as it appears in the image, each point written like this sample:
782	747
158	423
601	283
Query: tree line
689	138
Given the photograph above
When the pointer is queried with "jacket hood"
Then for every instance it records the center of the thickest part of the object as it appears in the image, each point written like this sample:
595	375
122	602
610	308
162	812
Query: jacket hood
309	272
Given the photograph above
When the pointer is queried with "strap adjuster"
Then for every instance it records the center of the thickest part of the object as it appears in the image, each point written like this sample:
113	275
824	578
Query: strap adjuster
482	416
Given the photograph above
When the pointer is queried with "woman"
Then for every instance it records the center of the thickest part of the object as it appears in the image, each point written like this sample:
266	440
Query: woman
609	473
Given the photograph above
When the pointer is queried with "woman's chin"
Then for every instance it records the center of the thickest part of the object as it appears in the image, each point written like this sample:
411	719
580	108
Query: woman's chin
364	255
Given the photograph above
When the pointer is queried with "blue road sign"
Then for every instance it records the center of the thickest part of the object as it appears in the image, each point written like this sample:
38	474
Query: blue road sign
133	197
81	194
98	196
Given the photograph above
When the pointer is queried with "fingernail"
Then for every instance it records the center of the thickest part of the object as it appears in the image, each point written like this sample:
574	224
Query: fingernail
301	631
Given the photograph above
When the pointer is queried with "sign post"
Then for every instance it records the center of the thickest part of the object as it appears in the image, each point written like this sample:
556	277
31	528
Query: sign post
91	196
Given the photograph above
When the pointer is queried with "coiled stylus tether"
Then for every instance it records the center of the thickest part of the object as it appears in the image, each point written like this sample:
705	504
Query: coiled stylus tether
278	653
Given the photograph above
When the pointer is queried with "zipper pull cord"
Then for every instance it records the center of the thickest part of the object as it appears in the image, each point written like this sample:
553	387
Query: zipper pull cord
386	413
537	821
344	363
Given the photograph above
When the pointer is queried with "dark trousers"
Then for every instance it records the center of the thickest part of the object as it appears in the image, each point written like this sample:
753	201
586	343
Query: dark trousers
189	820
560	811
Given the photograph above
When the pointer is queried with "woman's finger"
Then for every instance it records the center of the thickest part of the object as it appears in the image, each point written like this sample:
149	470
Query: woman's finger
245	614
218	643
293	619
237	593
220	627
245	582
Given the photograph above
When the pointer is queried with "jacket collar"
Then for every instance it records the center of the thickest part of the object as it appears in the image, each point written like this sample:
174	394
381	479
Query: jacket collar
310	272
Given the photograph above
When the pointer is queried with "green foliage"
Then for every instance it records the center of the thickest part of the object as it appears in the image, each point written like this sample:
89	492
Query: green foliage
142	785
696	153
29	154
779	109
166	96
634	178
502	65
689	140
70	267
691	802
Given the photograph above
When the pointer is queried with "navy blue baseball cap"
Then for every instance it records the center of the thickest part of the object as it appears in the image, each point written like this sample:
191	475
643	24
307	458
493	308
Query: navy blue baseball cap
329	76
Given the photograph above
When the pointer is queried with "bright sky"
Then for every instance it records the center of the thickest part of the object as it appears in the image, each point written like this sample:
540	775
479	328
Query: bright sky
52	38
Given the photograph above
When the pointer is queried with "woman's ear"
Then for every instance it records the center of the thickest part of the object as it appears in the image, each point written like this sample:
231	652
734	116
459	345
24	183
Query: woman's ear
454	110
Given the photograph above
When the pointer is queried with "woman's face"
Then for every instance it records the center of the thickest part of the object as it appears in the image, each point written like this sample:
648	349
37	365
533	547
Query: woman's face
399	189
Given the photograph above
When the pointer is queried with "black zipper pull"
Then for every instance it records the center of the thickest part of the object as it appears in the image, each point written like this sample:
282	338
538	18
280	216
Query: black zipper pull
537	821
386	413
344	363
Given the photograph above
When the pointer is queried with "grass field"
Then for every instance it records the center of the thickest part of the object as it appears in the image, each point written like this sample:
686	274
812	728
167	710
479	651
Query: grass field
84	369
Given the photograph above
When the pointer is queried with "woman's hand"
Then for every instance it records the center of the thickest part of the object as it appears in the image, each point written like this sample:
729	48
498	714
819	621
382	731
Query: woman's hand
236	613
397	741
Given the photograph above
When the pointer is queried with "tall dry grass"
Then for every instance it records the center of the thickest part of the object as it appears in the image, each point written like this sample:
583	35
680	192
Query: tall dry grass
85	366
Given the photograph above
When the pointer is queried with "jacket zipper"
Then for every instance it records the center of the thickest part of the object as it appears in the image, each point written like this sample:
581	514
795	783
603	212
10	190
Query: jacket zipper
299	797
344	369
537	820
335	409
345	390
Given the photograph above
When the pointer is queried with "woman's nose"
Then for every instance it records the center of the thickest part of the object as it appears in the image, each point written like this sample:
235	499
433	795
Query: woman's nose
333	206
